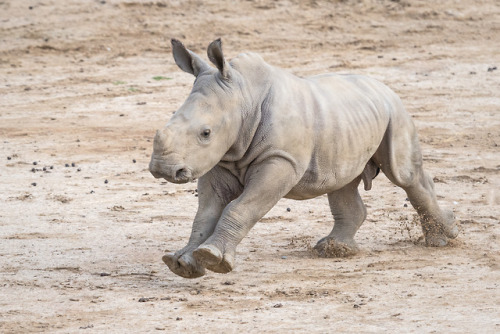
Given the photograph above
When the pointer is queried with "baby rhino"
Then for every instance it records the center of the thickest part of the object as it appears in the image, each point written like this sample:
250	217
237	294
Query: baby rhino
252	134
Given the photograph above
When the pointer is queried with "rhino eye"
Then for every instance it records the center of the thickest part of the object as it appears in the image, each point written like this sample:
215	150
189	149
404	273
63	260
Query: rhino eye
206	133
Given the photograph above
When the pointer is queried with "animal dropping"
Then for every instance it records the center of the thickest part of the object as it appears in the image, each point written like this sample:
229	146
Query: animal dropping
252	134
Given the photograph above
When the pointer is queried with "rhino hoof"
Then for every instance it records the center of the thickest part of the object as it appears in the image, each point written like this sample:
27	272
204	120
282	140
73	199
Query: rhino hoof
208	255
225	266
330	247
185	266
436	241
450	227
213	259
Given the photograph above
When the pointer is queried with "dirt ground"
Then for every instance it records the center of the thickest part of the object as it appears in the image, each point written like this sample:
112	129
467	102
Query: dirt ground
85	84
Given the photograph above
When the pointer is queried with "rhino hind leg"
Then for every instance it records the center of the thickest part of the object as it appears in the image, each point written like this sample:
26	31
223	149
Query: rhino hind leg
437	225
349	212
400	159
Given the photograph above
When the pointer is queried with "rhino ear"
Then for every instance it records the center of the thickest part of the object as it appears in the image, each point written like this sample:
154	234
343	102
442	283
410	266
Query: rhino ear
217	57
187	60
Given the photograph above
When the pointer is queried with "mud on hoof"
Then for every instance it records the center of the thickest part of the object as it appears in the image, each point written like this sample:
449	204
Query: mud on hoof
330	247
185	266
213	259
437	233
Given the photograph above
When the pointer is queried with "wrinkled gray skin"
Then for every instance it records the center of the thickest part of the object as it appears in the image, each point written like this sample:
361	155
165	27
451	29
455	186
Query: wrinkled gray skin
252	134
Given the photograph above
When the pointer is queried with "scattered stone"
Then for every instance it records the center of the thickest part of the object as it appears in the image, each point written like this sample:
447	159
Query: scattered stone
143	300
104	274
492	68
87	327
284	257
134	161
106	181
405	205
35	163
79	170
73	164
178	318
288	209
278	305
34	184
33	170
66	165
92	191
9	158
51	167
356	306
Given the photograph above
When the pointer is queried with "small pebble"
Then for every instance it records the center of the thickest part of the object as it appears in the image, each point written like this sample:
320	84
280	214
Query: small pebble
8	158
104	274
405	205
106	181
34	184
178	318
92	191
134	161
284	257
66	165
79	170
33	170
288	209
44	169
73	164
51	167
142	300
35	163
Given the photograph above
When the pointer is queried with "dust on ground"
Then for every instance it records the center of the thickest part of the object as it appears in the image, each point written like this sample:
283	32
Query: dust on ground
85	84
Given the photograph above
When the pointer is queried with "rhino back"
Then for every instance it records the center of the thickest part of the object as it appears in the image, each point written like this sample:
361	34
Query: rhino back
350	116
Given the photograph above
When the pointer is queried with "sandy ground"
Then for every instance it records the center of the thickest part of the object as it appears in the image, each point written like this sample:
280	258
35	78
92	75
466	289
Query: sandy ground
85	84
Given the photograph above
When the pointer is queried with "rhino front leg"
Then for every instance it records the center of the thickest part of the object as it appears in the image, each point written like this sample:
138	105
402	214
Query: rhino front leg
266	184
349	212
214	192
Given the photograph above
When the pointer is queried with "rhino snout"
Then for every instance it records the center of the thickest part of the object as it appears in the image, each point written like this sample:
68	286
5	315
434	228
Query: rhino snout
178	173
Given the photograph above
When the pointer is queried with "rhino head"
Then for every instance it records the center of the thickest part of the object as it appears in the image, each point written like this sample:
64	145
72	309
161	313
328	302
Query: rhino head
206	126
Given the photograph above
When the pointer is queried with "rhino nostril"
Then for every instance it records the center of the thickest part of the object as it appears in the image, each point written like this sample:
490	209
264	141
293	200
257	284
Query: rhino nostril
181	173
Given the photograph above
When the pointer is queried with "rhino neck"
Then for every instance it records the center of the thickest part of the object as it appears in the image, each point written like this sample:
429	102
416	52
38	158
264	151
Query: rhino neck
250	123
256	93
